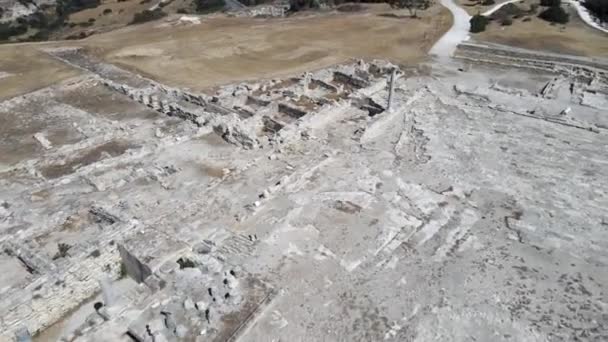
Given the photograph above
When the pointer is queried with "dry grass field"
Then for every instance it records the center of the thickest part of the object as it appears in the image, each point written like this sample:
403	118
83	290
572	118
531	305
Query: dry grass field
575	38
28	69
223	49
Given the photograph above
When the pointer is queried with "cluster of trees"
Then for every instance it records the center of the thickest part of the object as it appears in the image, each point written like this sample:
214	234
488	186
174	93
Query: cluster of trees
412	5
599	8
208	6
298	5
508	12
554	12
8	30
66	7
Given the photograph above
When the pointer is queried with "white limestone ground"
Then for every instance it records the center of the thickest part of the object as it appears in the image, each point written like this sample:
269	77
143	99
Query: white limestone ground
474	210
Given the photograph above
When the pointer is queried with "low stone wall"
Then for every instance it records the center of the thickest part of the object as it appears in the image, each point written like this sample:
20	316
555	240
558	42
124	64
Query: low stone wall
563	64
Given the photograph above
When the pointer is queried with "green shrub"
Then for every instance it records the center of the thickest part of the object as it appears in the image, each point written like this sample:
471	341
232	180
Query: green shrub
297	5
488	2
209	6
46	19
62	250
478	23
8	30
506	22
107	11
551	3
185	263
66	7
40	36
147	15
555	15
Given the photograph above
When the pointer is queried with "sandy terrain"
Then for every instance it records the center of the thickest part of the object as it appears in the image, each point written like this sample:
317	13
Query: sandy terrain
222	50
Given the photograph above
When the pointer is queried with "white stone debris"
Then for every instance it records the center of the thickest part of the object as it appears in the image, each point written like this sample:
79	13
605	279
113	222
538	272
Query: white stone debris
43	141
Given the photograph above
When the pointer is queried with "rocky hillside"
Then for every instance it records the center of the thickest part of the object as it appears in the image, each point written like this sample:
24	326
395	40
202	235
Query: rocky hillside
24	20
37	20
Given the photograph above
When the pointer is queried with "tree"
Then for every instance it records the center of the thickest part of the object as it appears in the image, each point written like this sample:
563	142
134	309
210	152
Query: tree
555	15
599	8
478	23
209	6
412	5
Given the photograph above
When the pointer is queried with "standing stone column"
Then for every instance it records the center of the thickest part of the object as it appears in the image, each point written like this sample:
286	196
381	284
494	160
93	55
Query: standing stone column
391	90
107	293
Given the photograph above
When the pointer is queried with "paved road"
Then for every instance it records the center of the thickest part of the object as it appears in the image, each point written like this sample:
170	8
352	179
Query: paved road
497	7
446	45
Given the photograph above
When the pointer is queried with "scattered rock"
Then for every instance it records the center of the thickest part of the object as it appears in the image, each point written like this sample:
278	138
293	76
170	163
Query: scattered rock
189	304
43	141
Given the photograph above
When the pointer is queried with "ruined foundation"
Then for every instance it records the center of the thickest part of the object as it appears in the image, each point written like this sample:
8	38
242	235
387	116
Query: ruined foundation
303	208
